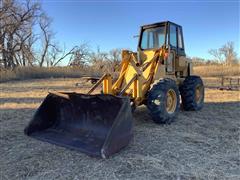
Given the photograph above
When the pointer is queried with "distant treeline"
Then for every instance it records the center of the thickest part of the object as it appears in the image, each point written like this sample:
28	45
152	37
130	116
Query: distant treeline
27	40
224	55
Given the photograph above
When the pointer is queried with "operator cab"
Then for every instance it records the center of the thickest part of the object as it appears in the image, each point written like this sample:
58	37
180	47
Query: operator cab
166	35
162	34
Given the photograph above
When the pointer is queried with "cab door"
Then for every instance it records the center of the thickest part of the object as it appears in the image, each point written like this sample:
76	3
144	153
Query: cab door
176	45
173	52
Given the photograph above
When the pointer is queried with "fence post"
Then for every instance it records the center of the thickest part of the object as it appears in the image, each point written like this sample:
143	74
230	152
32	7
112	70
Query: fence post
222	83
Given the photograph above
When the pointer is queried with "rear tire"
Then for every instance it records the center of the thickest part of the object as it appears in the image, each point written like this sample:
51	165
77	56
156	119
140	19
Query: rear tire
192	93
163	101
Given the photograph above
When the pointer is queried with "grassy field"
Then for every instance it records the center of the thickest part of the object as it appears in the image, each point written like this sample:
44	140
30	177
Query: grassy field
217	70
198	145
25	73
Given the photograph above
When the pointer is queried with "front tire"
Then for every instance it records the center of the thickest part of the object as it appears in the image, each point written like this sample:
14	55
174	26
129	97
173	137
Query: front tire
163	101
192	93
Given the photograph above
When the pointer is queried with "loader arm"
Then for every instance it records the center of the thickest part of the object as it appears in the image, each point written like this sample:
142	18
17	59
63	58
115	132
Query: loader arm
131	81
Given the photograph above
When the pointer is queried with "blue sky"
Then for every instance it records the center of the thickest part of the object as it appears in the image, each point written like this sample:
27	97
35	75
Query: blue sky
112	24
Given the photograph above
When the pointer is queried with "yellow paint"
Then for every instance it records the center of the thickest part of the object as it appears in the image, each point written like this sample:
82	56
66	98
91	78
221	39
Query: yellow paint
136	75
107	85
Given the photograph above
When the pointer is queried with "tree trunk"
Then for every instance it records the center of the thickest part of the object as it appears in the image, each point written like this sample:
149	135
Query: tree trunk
10	62
4	56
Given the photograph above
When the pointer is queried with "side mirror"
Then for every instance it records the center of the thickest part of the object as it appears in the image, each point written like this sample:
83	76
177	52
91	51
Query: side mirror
136	36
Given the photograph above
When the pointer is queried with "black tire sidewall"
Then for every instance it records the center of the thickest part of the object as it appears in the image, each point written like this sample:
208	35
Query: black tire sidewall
159	92
188	93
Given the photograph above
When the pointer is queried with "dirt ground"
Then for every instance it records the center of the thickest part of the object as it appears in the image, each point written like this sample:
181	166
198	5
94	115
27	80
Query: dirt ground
197	145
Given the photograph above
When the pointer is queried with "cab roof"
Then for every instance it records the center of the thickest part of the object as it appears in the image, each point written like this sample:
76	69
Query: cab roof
158	24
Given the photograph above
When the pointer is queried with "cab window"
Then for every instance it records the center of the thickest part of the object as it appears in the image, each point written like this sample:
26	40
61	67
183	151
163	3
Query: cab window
153	38
173	35
180	44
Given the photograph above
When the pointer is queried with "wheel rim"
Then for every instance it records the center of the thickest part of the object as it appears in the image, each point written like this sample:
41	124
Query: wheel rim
198	94
171	102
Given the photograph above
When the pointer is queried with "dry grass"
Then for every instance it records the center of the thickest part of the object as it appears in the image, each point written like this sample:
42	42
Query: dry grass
69	72
198	145
25	73
217	70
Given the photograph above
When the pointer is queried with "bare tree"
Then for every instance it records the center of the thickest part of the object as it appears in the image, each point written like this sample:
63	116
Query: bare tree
217	55
106	62
80	55
115	58
44	24
226	54
99	60
57	54
16	20
17	40
229	53
115	55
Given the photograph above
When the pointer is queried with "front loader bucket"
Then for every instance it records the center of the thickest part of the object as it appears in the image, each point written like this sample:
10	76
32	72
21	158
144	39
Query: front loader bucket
98	125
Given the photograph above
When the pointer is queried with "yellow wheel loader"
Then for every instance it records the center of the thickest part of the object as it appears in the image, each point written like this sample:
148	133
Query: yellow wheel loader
157	75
